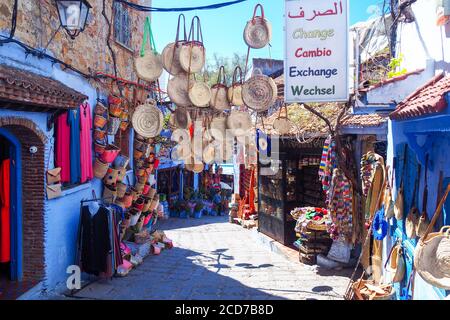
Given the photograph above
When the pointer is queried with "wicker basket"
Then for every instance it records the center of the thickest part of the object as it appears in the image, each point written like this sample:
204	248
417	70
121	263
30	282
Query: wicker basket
100	168
110	192
121	189
367	290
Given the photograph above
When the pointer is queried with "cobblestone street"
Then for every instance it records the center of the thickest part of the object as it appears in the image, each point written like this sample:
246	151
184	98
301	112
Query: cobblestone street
213	259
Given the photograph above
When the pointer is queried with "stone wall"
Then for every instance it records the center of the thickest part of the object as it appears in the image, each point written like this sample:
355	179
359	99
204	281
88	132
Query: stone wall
37	21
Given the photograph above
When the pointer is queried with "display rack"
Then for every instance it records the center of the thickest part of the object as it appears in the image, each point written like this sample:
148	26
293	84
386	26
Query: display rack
295	184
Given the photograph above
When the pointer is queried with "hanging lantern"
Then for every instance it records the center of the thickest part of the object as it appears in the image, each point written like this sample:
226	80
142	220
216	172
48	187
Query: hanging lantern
73	15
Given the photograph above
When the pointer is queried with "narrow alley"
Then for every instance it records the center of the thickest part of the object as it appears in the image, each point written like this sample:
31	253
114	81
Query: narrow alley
213	259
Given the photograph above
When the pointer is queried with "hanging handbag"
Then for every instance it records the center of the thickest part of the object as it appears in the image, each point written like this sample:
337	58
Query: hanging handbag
234	93
387	200
192	55
54	191
424	221
148	65
219	97
399	205
54	176
395	263
412	219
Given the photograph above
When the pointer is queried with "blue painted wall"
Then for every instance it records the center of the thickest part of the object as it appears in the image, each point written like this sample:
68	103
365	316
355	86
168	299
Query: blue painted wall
434	138
61	215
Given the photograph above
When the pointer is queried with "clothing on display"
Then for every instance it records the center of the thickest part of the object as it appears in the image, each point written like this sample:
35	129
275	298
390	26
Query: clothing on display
62	148
87	172
5	233
73	119
340	206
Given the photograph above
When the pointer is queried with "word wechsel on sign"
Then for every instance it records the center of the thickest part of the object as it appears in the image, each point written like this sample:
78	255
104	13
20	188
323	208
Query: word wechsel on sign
316	56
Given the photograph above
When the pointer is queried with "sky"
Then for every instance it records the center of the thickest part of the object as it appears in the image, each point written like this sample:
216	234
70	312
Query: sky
223	28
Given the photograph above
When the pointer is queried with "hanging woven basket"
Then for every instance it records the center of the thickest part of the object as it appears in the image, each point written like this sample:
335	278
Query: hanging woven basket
259	93
148	64
258	31
219	100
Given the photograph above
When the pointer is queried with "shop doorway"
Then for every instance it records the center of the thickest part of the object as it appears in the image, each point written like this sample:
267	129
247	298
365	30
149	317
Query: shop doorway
10	208
25	268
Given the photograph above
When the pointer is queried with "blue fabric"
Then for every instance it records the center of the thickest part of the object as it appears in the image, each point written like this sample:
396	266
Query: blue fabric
73	120
379	225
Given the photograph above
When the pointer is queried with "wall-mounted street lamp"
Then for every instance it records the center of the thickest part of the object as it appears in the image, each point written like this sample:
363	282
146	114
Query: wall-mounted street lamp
73	15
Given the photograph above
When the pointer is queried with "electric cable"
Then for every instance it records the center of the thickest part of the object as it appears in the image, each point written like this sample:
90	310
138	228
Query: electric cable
154	9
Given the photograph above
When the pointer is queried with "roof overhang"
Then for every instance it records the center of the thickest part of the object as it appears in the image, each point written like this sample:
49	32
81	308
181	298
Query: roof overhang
27	91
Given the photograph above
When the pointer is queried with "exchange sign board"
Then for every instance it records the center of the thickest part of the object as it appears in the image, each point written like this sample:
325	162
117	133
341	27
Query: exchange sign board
316	53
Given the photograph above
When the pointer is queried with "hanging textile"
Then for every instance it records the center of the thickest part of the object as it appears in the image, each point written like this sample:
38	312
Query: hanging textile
340	205
328	163
86	143
94	242
62	148
5	231
73	119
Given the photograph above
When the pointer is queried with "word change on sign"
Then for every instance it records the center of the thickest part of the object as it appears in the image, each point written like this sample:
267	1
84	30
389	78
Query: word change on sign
316	57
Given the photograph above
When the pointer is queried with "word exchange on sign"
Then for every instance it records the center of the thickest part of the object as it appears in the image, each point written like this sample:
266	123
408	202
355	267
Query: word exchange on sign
316	61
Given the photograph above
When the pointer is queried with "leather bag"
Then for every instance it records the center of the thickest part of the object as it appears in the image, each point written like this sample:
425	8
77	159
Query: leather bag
54	191
54	176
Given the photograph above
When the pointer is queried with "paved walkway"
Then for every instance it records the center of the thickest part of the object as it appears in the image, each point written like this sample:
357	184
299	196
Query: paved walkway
213	259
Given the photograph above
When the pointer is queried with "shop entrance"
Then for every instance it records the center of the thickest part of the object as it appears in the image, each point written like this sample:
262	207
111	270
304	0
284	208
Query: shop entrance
10	208
25	267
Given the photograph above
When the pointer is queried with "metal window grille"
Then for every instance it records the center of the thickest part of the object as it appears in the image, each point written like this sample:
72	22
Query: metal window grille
122	28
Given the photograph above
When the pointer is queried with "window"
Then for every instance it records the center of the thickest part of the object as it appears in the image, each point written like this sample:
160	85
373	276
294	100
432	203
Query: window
122	25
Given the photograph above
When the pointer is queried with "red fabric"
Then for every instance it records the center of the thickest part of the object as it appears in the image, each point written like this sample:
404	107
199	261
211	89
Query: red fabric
62	147
5	231
87	172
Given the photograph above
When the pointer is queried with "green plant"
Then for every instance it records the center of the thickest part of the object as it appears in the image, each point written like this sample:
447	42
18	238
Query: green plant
395	68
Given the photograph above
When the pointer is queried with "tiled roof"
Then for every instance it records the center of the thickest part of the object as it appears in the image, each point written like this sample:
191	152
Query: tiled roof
363	120
27	88
427	99
391	80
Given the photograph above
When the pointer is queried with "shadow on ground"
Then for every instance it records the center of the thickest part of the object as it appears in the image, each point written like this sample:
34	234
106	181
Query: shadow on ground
166	277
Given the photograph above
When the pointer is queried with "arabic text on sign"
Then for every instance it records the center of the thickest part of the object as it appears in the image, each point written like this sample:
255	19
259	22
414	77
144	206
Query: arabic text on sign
317	13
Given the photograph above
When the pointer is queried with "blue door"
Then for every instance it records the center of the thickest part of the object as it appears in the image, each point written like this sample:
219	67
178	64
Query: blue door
15	205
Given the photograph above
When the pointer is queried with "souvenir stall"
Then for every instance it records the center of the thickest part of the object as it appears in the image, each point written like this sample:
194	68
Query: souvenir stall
293	181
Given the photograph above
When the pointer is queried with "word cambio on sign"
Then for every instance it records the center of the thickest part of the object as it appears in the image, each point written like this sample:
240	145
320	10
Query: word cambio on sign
316	51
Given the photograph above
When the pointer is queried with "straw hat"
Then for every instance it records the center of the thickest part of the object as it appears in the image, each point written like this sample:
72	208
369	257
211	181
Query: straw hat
432	258
192	57
181	119
200	94
177	89
258	33
170	59
148	120
259	92
239	122
282	125
149	67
